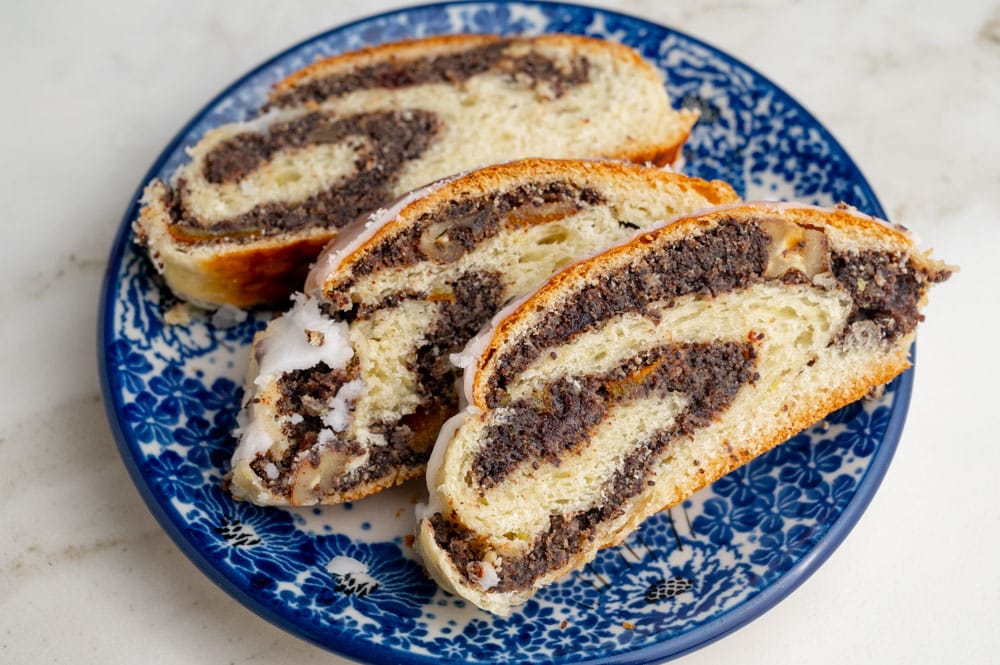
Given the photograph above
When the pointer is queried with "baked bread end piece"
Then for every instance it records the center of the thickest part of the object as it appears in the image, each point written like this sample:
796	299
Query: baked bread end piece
241	272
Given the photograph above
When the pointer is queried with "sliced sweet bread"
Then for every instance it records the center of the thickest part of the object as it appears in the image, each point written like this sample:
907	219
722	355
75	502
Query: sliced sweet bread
240	223
630	380
347	391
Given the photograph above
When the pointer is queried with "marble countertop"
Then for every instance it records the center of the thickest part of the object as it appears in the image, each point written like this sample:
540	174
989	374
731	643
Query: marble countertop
912	90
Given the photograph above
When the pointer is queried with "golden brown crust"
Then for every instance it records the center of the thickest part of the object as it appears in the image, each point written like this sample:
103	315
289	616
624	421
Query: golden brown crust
492	178
414	48
244	275
800	379
248	276
206	268
862	229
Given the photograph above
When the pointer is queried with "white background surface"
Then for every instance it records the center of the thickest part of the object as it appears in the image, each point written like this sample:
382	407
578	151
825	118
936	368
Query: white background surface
91	94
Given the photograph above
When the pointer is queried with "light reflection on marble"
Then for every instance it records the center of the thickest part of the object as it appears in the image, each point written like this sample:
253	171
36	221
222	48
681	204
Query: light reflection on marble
912	90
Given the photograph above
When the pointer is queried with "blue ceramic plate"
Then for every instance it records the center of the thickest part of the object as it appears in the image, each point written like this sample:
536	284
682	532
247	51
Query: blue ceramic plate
687	577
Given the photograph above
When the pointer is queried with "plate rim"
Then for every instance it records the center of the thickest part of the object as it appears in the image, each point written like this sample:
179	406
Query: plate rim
724	624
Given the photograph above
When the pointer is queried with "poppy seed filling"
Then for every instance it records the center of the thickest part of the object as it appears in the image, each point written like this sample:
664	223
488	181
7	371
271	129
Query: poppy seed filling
710	374
385	141
560	418
389	139
304	393
532	68
886	289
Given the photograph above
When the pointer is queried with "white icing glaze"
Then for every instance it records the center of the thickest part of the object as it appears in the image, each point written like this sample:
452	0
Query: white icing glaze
285	345
254	439
324	437
339	417
488	577
435	502
468	358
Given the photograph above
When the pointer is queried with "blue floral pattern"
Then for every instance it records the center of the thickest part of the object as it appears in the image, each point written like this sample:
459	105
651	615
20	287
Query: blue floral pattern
173	392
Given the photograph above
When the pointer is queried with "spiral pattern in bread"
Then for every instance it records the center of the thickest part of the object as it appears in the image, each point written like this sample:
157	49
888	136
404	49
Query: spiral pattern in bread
630	380
241	222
